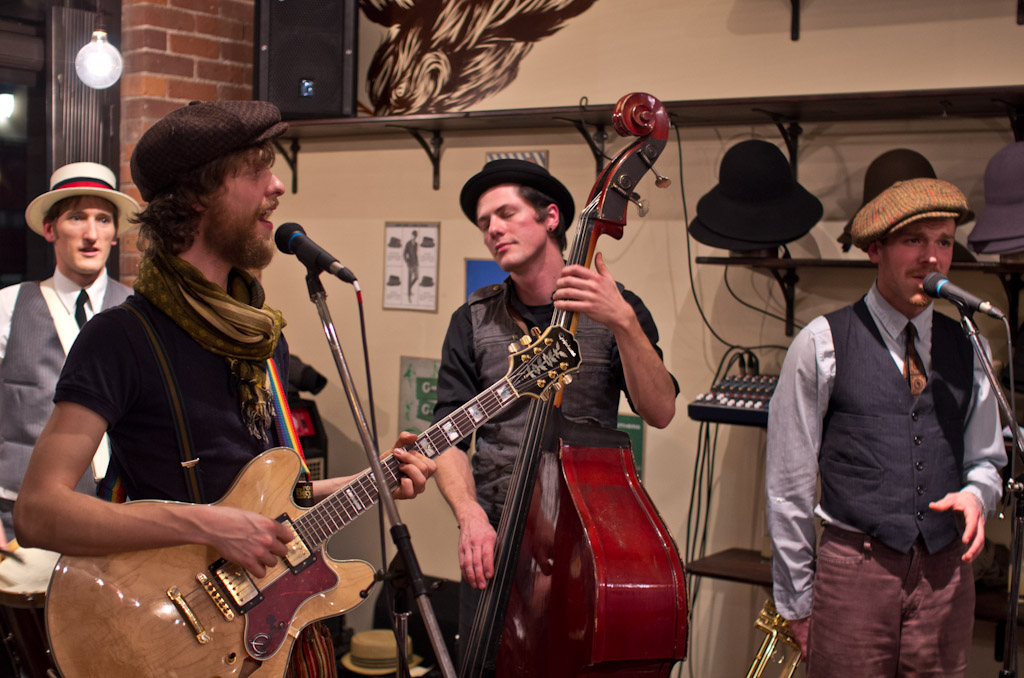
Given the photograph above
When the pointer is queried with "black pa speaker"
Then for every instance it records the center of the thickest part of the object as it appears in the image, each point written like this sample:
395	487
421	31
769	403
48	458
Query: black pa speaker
305	57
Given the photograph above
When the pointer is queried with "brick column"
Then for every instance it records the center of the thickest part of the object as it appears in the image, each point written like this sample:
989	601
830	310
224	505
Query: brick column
176	51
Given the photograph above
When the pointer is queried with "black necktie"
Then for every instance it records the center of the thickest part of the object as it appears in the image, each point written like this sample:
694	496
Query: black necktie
913	369
83	297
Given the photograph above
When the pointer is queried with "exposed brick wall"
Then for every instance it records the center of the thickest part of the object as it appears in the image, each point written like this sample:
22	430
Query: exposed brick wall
176	51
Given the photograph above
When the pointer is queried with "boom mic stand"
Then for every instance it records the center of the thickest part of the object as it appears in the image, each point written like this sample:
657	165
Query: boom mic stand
1013	486
399	532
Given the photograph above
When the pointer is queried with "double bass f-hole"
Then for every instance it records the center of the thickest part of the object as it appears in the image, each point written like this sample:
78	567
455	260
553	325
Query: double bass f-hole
495	643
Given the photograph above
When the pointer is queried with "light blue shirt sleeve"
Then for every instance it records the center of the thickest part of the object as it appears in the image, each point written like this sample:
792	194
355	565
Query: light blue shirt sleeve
795	420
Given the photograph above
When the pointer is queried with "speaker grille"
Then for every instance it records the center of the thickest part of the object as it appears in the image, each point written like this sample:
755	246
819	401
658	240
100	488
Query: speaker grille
305	57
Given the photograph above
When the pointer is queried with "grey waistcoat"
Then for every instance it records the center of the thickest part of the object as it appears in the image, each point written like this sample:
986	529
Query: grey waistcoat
885	454
28	378
593	395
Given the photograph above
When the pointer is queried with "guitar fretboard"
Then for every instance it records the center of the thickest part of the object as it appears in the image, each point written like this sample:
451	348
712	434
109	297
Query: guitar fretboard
332	514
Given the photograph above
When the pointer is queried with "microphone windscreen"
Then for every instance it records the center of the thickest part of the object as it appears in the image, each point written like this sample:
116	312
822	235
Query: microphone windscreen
931	284
283	236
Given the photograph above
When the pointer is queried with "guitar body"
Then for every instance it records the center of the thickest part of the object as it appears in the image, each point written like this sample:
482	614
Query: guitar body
599	588
147	613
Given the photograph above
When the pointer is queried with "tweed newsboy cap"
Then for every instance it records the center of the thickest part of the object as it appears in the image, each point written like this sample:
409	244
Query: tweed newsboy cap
193	135
904	203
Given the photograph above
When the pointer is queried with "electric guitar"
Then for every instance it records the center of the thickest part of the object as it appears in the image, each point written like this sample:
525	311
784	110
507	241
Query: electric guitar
185	612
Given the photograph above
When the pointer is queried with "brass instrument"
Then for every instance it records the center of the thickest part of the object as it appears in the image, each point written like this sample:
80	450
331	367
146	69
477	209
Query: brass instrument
778	631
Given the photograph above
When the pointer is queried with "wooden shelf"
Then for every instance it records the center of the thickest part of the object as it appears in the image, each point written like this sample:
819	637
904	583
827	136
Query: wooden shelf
784	272
786	112
921	104
741	565
748	567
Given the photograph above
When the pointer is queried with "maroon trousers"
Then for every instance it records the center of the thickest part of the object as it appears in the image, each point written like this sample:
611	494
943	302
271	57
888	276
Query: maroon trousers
879	613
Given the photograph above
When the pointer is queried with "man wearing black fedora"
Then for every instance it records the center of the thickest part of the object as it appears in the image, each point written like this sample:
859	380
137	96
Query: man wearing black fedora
523	213
81	216
885	403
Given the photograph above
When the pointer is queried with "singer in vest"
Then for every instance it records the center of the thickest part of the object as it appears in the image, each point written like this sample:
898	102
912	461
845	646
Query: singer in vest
523	212
885	403
81	215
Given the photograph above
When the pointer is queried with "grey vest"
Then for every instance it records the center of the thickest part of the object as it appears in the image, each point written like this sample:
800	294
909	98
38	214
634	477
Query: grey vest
885	454
593	395
28	378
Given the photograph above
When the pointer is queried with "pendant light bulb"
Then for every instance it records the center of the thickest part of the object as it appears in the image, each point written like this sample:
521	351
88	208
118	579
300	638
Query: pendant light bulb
98	64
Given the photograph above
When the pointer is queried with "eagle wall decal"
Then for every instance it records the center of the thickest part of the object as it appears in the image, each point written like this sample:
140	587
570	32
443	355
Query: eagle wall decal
445	55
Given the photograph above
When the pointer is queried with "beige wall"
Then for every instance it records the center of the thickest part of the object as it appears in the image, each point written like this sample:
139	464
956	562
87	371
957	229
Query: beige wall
348	188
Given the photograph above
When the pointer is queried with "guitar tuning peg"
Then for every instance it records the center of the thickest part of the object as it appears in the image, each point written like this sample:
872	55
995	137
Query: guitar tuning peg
512	348
526	341
535	331
660	181
642	207
566	380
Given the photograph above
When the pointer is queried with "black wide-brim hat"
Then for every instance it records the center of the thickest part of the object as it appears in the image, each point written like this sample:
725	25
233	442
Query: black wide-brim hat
703	233
522	172
757	200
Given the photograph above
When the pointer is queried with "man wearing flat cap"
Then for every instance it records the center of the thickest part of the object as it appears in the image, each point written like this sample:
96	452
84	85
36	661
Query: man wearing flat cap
523	213
81	215
205	171
885	402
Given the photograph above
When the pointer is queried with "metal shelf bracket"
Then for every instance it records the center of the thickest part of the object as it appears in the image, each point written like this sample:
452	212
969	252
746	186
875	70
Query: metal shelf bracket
292	160
432	147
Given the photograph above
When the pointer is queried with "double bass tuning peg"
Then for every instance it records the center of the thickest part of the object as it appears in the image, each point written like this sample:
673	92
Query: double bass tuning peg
642	208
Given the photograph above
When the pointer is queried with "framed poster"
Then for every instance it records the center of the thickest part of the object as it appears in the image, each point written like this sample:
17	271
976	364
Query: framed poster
417	393
410	265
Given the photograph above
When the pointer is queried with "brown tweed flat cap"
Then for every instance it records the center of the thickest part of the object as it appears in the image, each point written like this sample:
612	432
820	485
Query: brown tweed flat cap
193	135
904	203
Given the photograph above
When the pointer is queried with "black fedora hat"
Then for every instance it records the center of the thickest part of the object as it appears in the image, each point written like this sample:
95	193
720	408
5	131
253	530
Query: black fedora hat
522	172
757	200
703	233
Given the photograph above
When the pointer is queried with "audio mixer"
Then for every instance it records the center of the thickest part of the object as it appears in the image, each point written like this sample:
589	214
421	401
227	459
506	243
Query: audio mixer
737	399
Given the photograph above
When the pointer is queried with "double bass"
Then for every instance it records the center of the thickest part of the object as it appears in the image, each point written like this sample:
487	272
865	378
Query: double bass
587	579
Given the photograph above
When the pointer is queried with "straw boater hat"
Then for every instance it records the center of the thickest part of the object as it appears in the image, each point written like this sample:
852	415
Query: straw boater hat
82	178
904	203
375	653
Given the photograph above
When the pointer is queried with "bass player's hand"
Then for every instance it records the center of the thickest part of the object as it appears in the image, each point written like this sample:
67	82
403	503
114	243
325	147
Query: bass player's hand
476	548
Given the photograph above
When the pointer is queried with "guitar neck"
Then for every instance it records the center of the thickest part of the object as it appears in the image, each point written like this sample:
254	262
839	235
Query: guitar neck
332	514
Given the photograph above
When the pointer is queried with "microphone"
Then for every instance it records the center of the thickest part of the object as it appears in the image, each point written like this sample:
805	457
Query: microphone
938	286
292	239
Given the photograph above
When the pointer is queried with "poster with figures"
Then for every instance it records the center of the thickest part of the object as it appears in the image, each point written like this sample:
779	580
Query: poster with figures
417	393
410	265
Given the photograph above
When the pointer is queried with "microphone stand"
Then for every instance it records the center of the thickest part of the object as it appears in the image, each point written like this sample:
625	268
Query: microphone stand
399	532
1013	486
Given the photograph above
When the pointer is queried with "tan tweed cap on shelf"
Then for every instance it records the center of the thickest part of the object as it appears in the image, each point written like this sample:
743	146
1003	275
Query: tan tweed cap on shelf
904	203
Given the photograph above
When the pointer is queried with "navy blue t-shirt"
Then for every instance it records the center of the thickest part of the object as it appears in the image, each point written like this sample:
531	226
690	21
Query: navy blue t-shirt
112	371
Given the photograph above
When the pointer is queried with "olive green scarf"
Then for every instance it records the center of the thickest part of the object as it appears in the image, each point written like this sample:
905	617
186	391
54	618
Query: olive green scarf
235	324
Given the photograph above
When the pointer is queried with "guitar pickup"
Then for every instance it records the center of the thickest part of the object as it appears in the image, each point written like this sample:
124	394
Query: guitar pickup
238	584
299	556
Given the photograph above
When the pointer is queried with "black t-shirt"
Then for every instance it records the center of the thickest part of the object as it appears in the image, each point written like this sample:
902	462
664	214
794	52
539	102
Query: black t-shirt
112	371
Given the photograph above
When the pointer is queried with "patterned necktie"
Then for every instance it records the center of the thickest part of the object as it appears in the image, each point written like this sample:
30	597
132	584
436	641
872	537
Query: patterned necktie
83	297
913	370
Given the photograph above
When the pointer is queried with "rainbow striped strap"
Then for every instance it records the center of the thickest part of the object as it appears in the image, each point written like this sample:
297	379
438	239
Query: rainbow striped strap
283	423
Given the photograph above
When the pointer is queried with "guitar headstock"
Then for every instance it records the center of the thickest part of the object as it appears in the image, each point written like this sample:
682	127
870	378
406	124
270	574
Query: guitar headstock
545	365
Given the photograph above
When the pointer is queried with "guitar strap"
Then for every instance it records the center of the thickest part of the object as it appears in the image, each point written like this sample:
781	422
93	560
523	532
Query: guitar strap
186	448
287	436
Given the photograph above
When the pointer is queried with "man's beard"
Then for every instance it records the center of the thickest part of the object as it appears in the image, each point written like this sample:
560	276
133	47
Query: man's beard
235	238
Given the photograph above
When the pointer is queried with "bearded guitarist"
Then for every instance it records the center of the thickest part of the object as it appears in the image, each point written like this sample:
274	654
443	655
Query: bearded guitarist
205	171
